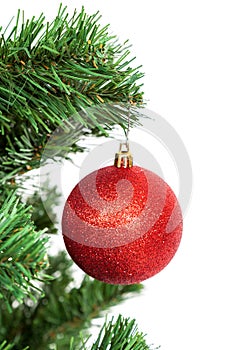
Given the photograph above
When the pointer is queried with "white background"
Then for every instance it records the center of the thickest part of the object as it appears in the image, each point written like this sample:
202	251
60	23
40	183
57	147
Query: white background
186	51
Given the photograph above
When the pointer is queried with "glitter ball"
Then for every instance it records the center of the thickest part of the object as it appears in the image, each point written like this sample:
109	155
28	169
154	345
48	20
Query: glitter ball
122	225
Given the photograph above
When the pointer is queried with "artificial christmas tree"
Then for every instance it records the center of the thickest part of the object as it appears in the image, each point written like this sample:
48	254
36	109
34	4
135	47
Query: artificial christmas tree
48	72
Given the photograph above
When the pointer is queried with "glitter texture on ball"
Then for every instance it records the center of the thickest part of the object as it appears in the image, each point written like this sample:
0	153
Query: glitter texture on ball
122	225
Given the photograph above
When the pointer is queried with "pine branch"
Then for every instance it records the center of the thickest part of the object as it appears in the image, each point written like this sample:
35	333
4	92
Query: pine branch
22	251
40	216
63	311
52	71
123	334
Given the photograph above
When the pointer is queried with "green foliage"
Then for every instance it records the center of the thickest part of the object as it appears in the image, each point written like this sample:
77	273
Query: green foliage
40	217
7	346
63	311
119	334
123	334
52	71
22	251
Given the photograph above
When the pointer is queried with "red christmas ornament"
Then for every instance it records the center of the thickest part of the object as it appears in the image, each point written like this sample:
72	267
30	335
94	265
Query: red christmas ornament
122	224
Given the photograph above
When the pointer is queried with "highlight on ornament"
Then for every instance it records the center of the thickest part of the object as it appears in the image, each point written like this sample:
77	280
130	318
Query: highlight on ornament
122	224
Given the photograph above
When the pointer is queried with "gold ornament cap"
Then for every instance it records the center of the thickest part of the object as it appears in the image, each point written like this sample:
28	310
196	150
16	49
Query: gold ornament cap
123	158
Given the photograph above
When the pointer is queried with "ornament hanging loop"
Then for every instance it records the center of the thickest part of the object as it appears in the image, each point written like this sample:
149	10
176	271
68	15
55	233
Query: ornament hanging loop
123	158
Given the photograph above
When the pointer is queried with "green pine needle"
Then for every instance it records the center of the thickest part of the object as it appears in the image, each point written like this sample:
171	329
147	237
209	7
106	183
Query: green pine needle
119	335
6	346
22	251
